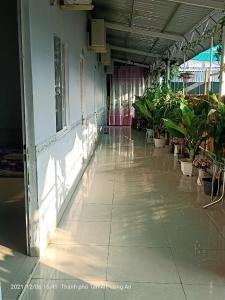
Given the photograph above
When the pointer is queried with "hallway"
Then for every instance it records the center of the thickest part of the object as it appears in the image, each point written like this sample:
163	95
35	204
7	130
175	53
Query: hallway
136	226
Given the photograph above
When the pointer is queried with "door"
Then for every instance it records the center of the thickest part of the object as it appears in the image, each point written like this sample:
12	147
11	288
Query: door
83	108
29	149
95	103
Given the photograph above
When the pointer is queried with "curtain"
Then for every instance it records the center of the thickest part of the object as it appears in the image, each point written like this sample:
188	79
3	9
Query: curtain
126	84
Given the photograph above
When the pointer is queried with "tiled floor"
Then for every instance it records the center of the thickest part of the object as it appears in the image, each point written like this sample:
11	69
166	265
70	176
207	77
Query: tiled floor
134	230
15	266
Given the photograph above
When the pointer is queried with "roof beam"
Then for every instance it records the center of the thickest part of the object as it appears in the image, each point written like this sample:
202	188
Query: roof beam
145	32
134	51
128	62
213	4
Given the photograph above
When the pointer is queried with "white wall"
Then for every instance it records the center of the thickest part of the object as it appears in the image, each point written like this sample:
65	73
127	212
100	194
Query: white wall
59	155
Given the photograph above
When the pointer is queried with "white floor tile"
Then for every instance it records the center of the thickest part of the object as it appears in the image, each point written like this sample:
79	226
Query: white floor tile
201	266
76	232
144	291
135	213
80	262
204	292
141	264
204	236
89	212
138	234
40	289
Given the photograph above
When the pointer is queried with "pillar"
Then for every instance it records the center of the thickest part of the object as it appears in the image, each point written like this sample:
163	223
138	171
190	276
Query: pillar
168	73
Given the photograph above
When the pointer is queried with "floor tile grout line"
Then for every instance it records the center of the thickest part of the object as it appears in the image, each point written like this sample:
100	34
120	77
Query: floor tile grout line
215	225
110	228
181	283
174	260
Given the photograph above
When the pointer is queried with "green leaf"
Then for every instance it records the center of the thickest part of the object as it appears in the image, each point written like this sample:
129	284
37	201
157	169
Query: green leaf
213	97
174	129
186	120
211	112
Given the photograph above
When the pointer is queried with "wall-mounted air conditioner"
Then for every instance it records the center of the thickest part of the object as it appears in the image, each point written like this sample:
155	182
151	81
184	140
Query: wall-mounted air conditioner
97	36
76	4
105	58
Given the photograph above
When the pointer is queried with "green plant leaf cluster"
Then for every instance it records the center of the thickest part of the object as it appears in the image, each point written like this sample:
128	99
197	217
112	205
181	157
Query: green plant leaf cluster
193	119
191	127
218	125
159	103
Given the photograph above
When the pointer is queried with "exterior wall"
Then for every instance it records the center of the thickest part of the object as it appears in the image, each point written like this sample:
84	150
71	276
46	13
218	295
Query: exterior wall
60	159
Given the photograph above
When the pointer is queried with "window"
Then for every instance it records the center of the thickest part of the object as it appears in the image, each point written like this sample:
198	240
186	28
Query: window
60	83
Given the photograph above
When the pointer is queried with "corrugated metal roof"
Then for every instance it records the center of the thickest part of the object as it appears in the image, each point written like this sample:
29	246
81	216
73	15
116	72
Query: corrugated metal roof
161	16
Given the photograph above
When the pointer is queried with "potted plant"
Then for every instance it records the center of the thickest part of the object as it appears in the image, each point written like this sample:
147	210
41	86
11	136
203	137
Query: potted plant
150	108
158	126
191	128
202	165
216	117
216	120
187	76
166	105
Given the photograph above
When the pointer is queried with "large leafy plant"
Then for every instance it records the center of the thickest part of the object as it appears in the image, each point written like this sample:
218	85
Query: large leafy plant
191	127
159	103
217	124
148	107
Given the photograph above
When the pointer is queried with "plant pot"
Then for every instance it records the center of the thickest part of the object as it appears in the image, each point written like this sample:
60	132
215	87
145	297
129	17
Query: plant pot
201	175
207	182
159	143
187	167
149	135
176	150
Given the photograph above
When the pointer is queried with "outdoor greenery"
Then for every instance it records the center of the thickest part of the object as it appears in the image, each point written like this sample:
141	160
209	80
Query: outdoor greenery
191	127
193	119
217	125
157	104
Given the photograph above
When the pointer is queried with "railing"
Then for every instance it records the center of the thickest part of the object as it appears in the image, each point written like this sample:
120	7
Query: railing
218	172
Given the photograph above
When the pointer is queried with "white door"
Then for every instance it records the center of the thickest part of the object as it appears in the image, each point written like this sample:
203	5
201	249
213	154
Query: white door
95	102
83	108
29	150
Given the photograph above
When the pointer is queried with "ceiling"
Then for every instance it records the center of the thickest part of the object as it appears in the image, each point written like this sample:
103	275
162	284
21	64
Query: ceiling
168	23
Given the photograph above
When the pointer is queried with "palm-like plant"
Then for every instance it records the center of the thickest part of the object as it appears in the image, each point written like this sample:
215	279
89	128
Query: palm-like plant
191	127
157	104
217	125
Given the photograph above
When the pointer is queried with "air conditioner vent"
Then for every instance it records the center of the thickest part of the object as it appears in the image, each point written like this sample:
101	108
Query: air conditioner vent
76	5
85	2
97	36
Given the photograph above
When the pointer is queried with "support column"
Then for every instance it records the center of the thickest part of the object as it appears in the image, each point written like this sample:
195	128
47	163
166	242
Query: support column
210	68
168	73
222	68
